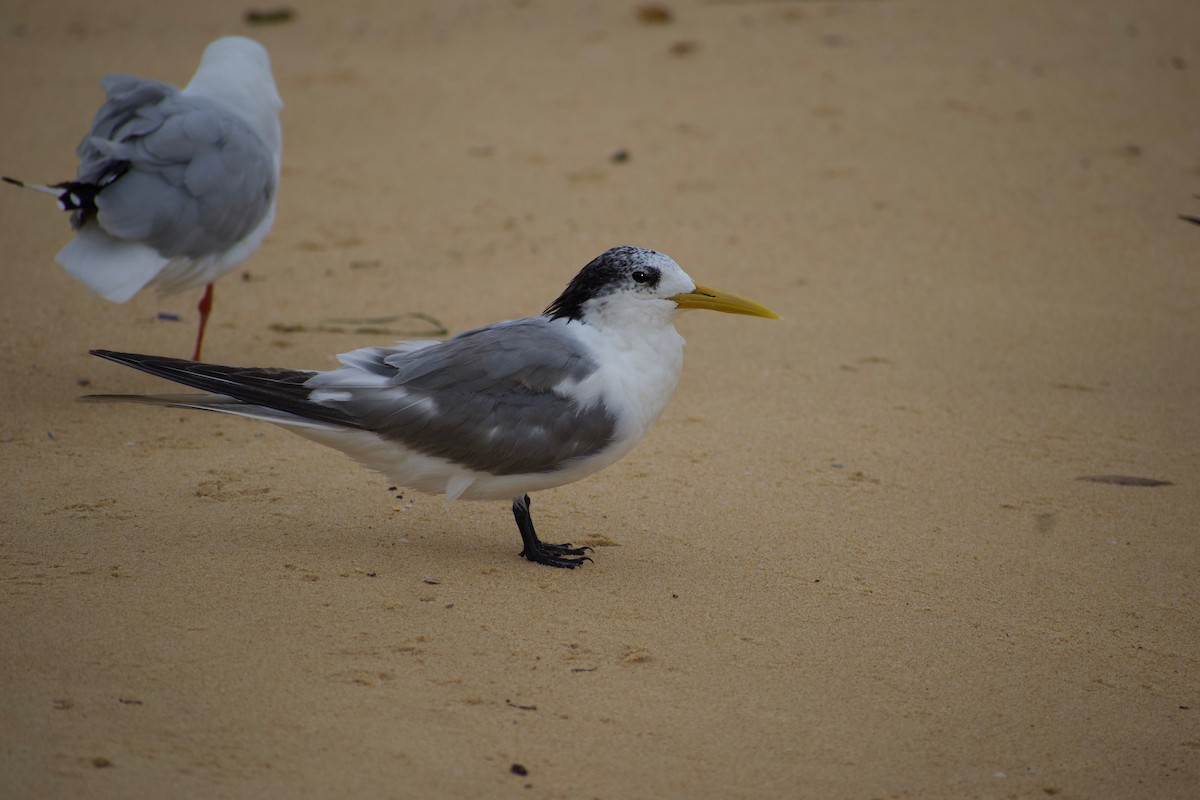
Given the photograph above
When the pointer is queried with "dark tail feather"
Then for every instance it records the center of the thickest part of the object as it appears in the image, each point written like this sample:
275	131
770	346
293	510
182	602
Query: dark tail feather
74	195
71	195
281	389
37	187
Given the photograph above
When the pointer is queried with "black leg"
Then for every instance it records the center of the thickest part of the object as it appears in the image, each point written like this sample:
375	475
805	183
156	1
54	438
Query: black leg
537	551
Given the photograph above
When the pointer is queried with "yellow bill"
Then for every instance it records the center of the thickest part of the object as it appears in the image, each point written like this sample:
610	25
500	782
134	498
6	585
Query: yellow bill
716	300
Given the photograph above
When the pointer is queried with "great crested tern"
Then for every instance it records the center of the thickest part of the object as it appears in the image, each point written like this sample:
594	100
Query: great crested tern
492	413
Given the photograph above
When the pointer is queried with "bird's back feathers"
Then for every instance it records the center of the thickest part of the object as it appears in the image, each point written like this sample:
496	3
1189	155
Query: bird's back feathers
494	400
174	188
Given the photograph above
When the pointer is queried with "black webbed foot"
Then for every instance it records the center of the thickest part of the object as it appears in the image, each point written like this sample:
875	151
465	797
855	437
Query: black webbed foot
557	555
565	556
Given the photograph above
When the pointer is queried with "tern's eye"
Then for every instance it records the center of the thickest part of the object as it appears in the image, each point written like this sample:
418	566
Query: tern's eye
640	276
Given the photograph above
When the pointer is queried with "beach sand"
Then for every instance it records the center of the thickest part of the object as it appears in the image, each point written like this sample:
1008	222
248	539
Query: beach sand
854	559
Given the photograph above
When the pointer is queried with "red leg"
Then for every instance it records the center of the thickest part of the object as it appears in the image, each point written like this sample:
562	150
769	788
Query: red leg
204	308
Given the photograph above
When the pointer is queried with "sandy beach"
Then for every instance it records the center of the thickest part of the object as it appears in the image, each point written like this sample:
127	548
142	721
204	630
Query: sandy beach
934	534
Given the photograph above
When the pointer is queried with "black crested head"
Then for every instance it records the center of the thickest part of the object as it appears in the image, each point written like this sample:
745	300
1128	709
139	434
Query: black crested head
621	268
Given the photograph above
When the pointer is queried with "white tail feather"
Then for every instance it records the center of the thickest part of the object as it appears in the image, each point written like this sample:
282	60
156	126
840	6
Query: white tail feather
112	268
37	187
215	402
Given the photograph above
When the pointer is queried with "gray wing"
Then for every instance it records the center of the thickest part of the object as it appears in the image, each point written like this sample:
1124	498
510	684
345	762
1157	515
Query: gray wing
496	399
182	174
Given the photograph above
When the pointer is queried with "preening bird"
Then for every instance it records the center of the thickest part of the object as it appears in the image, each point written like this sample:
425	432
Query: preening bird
493	413
175	187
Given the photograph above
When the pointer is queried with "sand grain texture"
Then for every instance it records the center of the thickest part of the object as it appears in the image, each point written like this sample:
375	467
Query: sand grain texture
854	558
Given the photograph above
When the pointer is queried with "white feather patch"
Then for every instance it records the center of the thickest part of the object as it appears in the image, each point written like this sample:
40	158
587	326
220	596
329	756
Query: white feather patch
458	483
114	269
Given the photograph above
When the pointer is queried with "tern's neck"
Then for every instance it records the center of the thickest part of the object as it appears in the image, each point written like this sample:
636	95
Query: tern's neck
640	364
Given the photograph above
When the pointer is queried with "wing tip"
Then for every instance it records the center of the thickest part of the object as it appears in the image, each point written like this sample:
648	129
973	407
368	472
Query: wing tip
102	398
117	356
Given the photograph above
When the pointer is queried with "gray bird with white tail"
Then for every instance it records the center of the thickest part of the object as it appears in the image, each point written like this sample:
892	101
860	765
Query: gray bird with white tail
493	413
175	187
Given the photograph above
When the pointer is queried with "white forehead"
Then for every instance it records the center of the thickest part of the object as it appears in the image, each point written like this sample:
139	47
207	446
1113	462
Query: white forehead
673	279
